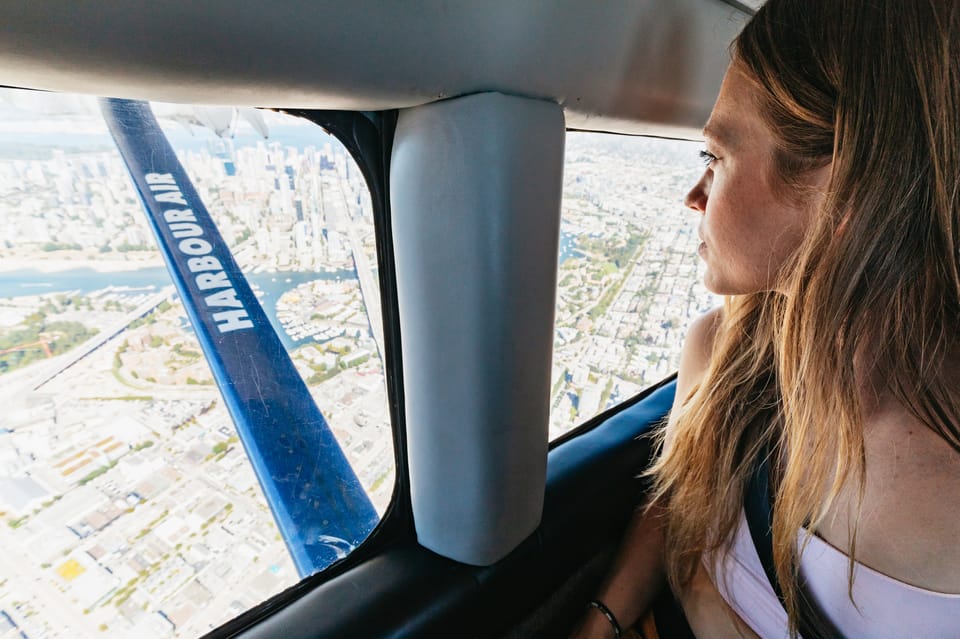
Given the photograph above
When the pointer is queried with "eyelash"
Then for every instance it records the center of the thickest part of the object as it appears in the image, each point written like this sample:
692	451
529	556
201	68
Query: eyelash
707	158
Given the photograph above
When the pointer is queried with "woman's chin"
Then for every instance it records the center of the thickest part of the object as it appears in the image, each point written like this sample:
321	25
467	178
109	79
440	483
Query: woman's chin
714	284
719	285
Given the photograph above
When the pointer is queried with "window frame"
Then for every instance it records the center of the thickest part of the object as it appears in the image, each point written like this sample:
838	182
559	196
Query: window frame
368	137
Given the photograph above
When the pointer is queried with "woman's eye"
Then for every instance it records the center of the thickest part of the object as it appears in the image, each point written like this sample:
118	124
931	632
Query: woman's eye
707	158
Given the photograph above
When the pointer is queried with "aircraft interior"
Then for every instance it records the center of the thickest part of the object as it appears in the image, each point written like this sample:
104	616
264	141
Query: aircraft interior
457	114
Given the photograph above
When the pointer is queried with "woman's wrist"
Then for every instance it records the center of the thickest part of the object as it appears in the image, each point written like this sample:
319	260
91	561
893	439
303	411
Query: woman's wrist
593	625
601	607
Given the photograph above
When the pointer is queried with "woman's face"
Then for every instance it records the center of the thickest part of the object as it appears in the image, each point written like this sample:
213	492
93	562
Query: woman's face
748	228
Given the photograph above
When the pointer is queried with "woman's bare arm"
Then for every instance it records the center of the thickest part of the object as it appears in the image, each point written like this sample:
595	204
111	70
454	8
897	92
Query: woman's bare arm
637	573
709	615
633	582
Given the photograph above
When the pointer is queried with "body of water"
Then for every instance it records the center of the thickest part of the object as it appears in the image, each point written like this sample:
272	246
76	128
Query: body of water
273	285
146	280
568	247
86	280
82	280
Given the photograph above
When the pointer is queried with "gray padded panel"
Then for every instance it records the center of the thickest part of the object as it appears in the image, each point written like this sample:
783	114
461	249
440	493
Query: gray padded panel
637	66
475	193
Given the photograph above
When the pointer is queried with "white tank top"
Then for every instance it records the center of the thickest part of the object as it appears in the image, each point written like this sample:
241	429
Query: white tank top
885	608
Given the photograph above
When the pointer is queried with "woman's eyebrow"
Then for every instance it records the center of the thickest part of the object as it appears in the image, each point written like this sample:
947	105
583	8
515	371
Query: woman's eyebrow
719	133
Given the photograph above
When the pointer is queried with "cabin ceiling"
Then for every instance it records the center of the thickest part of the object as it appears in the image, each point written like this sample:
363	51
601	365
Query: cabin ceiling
629	66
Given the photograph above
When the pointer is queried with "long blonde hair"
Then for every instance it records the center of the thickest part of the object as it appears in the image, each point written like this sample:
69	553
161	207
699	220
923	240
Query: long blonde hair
873	87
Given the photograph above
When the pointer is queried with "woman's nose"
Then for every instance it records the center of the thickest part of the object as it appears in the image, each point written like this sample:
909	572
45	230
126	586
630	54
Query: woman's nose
697	197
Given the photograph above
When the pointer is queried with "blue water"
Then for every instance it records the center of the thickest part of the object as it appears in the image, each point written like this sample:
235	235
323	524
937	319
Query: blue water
568	247
86	280
271	285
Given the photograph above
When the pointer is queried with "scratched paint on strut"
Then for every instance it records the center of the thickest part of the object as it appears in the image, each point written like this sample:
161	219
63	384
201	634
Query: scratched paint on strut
319	505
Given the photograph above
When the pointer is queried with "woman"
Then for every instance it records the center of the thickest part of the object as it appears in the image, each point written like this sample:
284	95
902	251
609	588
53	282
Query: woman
830	216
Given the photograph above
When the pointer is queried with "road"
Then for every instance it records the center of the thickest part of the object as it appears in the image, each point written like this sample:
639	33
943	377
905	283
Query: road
32	378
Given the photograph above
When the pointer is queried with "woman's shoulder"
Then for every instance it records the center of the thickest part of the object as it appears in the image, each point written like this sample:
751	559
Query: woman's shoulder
697	347
702	334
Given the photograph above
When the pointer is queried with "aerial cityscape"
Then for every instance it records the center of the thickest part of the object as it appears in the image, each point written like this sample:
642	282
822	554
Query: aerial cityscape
128	505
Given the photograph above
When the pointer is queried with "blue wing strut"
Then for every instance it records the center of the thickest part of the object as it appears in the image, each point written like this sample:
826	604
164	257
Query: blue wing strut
317	500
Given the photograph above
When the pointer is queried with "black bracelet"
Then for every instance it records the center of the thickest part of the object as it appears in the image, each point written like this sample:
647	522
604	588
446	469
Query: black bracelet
599	605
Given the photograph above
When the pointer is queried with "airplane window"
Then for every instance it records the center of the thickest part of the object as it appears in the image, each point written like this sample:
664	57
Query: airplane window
128	504
629	282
